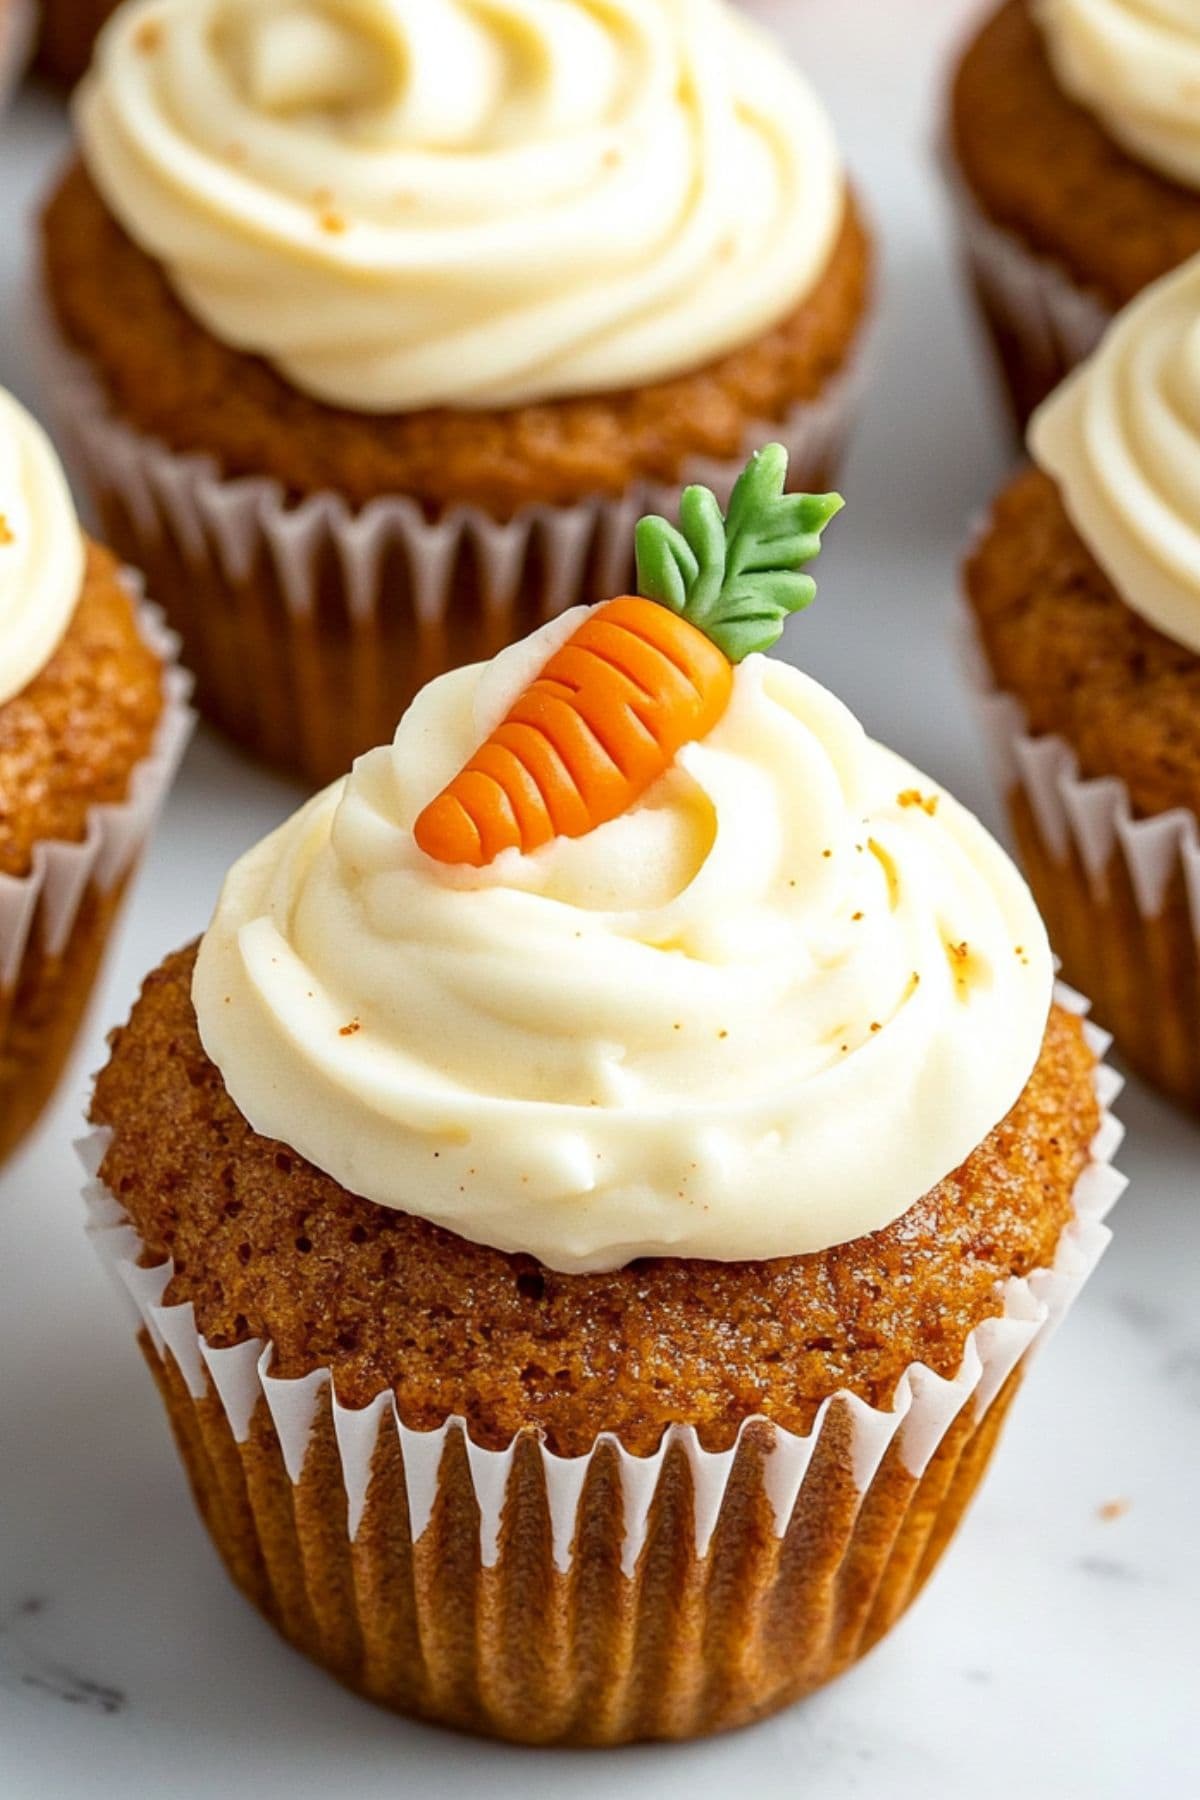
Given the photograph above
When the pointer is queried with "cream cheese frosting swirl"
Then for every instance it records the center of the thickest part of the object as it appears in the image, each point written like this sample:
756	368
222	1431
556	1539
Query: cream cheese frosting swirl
1121	438
471	203
758	1015
1135	64
41	550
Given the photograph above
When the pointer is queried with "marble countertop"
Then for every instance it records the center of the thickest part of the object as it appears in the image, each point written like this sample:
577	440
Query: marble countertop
1055	1652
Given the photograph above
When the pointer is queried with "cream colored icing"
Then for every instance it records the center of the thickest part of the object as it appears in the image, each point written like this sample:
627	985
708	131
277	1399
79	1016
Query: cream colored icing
1135	64
41	550
472	203
759	1015
1121	438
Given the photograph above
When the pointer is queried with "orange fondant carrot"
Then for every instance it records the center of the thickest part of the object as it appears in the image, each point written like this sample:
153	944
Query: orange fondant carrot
642	676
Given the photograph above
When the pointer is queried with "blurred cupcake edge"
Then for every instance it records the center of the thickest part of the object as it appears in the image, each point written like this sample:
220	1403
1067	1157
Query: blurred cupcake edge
1081	649
16	42
60	894
1045	163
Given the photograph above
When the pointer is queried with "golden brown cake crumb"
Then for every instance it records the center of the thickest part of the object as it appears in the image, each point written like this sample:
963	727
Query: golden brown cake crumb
1061	639
167	376
72	738
266	1246
1042	167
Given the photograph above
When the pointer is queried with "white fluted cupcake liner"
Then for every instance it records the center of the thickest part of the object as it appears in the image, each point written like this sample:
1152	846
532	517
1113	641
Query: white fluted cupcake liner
1042	323
859	1510
16	42
924	1403
56	919
41	908
1120	892
403	595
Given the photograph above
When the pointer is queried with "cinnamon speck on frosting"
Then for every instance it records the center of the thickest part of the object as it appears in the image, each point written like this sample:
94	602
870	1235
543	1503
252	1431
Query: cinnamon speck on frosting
6	536
914	797
149	36
333	222
350	1029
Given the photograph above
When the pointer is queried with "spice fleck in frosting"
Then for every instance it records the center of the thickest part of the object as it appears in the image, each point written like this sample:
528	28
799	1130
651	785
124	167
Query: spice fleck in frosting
758	1011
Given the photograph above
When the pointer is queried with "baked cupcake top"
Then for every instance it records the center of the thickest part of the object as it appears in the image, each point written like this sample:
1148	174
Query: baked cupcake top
445	202
41	550
757	1011
1135	64
1121	439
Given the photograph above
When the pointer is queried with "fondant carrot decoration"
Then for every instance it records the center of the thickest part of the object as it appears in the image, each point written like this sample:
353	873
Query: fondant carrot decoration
642	676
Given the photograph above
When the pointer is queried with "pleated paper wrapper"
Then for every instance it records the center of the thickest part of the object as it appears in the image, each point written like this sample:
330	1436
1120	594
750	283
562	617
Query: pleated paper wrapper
1042	324
602	1598
55	921
1120	893
309	626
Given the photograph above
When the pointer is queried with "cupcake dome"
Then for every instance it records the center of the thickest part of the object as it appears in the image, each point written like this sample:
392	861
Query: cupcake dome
89	733
612	250
634	1242
1076	169
1086	590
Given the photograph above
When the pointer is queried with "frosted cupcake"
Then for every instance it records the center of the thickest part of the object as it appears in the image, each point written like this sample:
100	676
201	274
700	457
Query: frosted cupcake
1075	148
91	725
1085	589
616	1152
384	324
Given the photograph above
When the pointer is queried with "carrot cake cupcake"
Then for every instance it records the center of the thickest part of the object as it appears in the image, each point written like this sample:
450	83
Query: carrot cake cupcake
590	1197
1075	149
1085	589
373	369
91	724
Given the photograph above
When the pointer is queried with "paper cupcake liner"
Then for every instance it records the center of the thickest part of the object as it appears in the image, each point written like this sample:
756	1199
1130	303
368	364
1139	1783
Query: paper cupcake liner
1042	323
16	41
1120	894
605	1597
310	626
54	922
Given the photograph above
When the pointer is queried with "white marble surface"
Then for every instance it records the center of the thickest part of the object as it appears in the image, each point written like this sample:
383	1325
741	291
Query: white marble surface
1054	1654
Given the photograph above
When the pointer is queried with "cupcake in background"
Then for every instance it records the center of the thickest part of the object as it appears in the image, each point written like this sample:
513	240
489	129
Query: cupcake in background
591	1199
92	723
373	372
16	34
66	33
1074	149
1085	593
